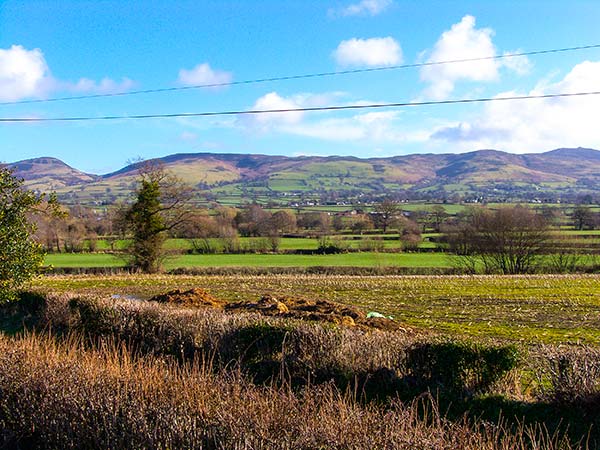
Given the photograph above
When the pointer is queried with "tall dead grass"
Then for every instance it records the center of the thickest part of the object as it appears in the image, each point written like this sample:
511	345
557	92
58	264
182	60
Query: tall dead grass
187	334
67	395
145	375
318	352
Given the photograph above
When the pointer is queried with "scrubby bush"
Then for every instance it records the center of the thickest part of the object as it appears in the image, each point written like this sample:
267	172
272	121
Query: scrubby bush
371	245
328	245
461	367
183	353
569	375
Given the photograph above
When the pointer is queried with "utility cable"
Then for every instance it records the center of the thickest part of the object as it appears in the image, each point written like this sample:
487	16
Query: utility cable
289	110
301	76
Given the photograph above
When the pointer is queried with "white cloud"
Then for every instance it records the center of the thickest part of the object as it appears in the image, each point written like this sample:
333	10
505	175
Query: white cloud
362	8
535	125
521	65
518	126
375	126
369	127
23	73
203	74
188	136
368	52
464	41
105	86
272	101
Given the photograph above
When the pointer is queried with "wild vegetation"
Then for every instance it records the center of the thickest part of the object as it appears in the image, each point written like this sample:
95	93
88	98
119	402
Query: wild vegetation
117	371
65	396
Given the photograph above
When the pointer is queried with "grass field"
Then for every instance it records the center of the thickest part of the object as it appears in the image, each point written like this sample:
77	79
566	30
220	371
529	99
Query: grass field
362	259
541	308
352	241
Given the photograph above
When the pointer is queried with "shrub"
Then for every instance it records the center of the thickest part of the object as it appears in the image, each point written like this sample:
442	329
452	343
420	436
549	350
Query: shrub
26	312
568	375
461	367
328	246
257	348
21	258
95	319
371	245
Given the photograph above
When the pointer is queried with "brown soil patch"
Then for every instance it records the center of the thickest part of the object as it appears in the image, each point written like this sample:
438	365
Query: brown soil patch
315	310
194	297
285	307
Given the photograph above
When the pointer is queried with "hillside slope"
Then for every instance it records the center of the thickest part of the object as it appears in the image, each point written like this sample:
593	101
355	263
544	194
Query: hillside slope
239	177
49	174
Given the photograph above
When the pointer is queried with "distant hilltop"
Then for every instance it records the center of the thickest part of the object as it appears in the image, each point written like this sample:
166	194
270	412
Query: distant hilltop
493	174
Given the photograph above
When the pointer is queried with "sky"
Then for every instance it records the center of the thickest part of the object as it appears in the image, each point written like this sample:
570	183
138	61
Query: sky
64	48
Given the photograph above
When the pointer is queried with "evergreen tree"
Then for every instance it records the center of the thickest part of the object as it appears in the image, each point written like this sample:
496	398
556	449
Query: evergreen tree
160	206
21	258
148	228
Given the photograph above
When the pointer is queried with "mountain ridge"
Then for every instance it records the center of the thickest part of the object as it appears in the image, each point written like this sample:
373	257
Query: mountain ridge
563	169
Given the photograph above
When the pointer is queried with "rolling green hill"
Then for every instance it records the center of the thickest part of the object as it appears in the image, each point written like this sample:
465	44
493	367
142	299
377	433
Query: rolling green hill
235	178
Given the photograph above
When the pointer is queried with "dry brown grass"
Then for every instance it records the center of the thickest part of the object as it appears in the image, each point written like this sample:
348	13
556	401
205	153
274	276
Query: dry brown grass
549	373
148	375
187	333
567	375
64	395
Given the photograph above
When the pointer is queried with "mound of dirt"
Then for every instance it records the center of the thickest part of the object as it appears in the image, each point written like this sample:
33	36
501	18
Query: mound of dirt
194	297
315	310
267	305
279	306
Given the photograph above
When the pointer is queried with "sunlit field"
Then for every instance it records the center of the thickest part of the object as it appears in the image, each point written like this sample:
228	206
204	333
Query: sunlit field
537	308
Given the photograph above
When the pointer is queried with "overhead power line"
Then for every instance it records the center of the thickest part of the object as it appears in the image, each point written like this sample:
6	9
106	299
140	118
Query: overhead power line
302	76
289	110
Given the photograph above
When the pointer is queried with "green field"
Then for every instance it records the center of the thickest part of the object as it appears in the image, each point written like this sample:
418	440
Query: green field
532	309
359	259
389	241
352	241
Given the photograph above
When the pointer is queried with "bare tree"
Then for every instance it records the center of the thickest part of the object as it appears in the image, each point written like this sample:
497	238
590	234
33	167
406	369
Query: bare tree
283	221
583	217
437	216
200	230
386	213
318	221
360	223
565	254
410	234
509	240
253	220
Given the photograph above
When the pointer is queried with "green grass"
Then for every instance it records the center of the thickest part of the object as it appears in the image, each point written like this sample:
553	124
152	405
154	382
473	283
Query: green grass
581	232
83	260
353	241
355	259
361	259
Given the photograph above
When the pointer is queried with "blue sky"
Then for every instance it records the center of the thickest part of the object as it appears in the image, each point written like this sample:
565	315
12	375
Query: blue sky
75	47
